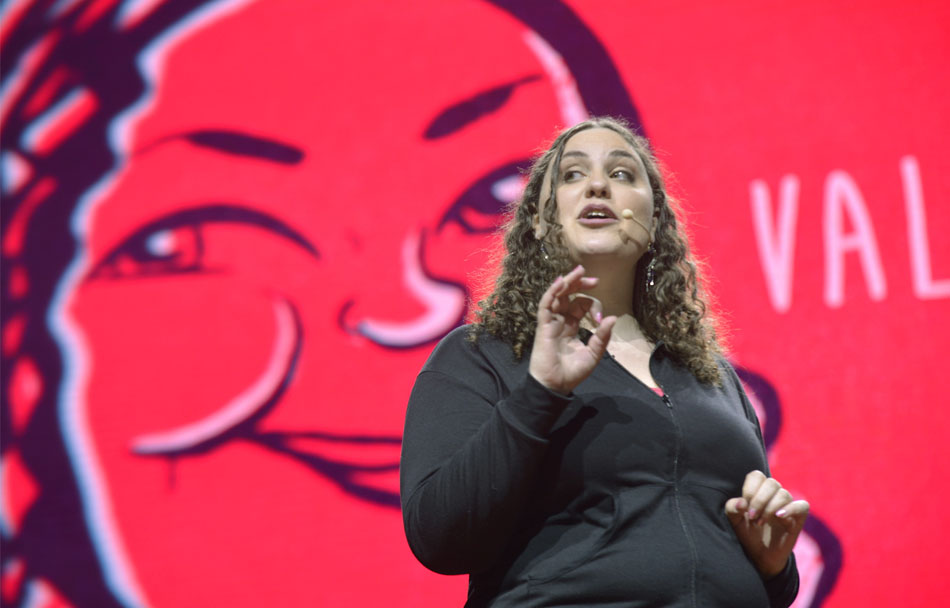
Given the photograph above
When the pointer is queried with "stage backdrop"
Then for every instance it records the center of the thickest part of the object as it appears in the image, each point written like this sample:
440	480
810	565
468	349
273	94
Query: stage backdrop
232	231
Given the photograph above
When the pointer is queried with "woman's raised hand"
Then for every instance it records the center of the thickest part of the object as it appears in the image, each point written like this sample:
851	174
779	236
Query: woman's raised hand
767	522
559	359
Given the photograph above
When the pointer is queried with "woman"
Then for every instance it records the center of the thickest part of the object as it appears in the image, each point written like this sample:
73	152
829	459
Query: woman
584	443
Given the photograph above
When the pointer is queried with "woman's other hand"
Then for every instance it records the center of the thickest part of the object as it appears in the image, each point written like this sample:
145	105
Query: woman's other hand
559	359
767	522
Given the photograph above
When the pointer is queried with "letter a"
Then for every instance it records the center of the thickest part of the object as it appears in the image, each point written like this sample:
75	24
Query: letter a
842	196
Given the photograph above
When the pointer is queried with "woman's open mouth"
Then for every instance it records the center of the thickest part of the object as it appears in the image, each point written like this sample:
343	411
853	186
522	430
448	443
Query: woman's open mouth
595	215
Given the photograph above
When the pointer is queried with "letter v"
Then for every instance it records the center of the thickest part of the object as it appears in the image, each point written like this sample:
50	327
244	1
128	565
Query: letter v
776	241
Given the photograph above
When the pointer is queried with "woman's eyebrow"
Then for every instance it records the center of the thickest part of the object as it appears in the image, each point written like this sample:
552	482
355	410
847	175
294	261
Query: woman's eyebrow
581	154
622	153
471	109
237	143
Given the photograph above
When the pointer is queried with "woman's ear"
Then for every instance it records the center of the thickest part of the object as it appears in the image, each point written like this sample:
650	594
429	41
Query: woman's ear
539	226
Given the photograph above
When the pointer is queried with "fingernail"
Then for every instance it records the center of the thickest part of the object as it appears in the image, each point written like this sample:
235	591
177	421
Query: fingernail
751	514
781	513
598	317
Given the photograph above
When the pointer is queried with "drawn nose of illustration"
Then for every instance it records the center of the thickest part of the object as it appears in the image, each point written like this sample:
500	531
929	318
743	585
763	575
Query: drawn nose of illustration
443	304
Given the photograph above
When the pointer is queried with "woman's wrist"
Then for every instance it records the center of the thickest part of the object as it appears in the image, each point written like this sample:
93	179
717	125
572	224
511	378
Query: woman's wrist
769	573
560	391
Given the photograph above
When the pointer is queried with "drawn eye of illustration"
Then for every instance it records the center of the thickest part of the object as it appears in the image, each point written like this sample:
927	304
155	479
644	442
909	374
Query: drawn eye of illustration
174	244
481	206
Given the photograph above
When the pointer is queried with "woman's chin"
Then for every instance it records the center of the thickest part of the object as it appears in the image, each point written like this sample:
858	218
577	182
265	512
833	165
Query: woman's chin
600	253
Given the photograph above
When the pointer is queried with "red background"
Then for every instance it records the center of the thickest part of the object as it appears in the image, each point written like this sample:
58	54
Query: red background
729	93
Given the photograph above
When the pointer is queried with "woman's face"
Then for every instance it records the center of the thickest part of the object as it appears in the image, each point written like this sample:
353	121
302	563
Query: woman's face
599	178
262	280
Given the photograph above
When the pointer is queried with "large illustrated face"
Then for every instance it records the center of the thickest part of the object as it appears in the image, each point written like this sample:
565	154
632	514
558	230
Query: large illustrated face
282	243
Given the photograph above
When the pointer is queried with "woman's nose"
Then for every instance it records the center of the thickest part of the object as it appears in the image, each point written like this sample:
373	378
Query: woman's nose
598	186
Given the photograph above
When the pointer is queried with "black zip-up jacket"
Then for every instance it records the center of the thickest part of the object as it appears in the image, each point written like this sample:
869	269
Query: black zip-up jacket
612	496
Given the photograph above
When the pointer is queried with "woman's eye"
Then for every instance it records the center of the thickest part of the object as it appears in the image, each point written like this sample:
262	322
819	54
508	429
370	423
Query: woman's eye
572	174
623	174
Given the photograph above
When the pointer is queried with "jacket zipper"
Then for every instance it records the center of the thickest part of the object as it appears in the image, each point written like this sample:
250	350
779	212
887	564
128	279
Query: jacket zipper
676	485
676	501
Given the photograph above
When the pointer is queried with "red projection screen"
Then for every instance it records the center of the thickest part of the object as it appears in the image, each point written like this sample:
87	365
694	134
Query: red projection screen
232	231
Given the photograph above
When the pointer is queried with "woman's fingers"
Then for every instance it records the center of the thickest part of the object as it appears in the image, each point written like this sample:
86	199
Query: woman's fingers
598	342
752	482
565	284
750	488
781	498
736	509
574	274
577	307
592	307
559	358
794	513
551	299
563	297
764	498
761	498
766	521
547	299
575	281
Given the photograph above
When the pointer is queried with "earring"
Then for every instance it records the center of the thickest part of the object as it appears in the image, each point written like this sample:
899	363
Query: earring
544	252
650	273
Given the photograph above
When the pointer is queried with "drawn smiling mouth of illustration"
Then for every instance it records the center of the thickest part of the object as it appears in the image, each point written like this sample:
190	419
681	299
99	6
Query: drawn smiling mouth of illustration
363	472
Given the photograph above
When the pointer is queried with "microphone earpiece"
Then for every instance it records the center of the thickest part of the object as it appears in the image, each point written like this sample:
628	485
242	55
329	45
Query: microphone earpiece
627	214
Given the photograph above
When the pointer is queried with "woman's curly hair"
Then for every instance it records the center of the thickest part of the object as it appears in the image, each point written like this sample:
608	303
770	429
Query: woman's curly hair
671	311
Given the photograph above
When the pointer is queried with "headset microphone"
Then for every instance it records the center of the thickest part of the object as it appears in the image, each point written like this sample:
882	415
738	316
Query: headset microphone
627	214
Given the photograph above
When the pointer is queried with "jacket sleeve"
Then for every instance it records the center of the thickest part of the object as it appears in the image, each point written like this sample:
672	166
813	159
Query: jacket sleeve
469	458
783	587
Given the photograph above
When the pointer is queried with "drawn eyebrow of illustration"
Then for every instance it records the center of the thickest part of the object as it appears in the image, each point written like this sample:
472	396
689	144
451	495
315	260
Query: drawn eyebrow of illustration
236	143
471	109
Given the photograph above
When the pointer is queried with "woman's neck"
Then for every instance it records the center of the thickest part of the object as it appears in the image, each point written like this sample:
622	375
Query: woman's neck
614	287
614	291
